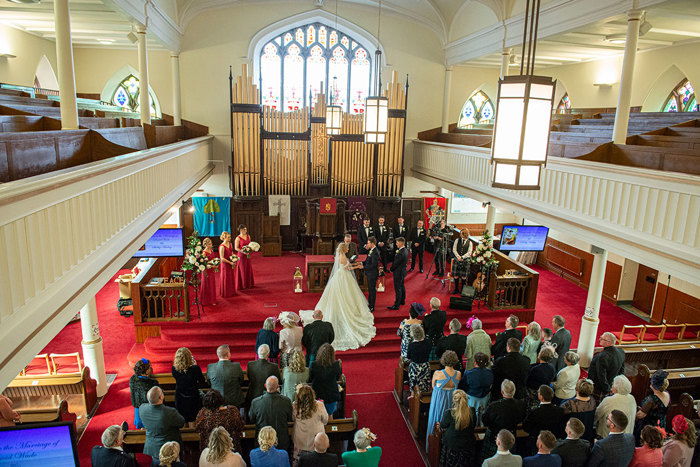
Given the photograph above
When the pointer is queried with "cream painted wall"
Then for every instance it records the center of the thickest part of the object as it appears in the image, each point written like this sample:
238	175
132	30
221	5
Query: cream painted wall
472	17
28	50
466	80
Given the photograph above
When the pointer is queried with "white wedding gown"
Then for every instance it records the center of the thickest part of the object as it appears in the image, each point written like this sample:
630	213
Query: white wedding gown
344	305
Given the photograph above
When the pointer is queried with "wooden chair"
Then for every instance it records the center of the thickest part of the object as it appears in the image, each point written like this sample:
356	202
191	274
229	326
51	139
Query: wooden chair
523	329
652	333
630	334
66	363
39	366
673	332
691	332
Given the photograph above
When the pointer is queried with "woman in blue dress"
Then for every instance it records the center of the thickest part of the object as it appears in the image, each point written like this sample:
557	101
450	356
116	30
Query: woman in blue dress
444	385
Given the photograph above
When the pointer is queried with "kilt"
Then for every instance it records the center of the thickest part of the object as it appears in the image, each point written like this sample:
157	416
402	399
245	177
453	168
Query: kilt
433	354
461	268
419	375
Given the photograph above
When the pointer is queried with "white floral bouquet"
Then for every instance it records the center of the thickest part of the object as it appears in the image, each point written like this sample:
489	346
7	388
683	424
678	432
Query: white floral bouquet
250	248
483	254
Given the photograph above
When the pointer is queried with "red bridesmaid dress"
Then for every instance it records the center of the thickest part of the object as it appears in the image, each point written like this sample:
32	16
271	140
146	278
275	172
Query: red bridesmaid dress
227	279
244	274
208	285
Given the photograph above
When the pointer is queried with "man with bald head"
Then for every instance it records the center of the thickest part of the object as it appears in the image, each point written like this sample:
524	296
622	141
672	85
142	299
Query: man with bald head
316	334
162	423
606	364
272	409
319	457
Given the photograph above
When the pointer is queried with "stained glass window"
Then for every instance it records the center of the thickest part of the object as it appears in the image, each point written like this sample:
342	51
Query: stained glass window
126	95
564	105
682	99
478	109
298	64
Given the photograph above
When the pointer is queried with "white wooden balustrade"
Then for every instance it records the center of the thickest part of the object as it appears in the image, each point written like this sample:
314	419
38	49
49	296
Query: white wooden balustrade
649	216
64	234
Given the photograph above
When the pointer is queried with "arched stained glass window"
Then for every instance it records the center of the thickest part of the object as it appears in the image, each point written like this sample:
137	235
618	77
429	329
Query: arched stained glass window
564	105
295	64
127	96
682	99
477	109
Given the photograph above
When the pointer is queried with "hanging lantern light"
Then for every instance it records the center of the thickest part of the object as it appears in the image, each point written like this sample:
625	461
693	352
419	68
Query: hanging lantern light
376	106
334	113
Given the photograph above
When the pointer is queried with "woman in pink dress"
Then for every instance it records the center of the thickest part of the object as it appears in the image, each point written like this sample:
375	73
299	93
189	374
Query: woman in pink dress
244	275
227	279
208	285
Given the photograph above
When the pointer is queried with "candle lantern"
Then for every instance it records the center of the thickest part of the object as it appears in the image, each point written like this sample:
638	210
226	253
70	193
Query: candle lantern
380	279
298	278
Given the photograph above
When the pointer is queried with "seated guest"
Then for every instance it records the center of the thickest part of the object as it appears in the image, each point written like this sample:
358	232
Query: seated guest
215	413
565	384
477	384
220	450
258	371
500	347
573	450
274	410
293	374
583	407
606	364
458	442
678	451
111	454
503	457
617	448
415	311
621	399
316	334
505	413
654	406
531	343
310	418
324	375
319	457
364	455
267	455
434	325
546	441
444	384
269	337
227	377
545	416
477	341
169	456
139	385
290	336
419	356
455	342
8	416
162	423
513	366
541	372
188	380
649	454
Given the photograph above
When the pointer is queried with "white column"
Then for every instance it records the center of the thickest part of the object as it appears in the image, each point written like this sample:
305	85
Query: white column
589	323
622	114
93	354
177	108
491	220
505	61
446	100
144	104
66	72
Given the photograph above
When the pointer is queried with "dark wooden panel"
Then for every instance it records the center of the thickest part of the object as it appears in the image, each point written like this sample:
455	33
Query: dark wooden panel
645	288
29	157
73	150
679	306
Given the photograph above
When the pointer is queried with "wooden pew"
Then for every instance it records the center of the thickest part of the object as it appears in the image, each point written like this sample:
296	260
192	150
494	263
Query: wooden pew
680	381
48	412
685	406
401	377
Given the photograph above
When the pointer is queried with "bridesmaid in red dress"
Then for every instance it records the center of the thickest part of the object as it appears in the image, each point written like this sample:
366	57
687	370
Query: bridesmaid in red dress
209	276
244	275
227	278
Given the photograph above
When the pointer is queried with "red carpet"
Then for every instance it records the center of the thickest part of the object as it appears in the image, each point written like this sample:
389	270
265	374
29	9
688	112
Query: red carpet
236	320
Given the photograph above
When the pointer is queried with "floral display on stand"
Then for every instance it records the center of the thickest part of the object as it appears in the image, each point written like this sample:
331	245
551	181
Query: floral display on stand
483	254
196	260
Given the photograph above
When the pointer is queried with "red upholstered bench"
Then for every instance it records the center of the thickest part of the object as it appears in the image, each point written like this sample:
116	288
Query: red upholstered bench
630	334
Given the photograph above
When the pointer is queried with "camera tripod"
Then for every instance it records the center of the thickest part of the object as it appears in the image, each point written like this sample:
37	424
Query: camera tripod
441	253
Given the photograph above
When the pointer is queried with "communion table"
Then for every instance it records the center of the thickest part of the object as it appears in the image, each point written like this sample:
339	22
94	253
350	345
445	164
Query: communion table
318	269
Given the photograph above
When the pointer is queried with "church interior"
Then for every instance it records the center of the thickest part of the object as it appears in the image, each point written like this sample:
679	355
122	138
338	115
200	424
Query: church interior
182	173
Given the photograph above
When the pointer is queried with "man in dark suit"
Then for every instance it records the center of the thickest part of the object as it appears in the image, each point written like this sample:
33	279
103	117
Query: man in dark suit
606	364
319	457
418	237
546	441
272	409
258	371
616	449
453	341
503	414
400	229
110	454
561	339
316	334
546	416
162	423
227	377
381	232
512	366
352	246
398	270
371	267
573	450
498	349
363	234
434	325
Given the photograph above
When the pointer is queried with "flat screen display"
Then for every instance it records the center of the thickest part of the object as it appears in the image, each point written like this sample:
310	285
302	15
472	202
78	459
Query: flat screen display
41	445
163	243
523	238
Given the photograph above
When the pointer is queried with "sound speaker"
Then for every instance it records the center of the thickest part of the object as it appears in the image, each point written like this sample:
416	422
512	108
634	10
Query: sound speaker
461	303
468	291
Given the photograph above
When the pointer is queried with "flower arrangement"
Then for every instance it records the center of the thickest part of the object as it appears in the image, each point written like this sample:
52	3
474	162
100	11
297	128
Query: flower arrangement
196	260
483	254
250	248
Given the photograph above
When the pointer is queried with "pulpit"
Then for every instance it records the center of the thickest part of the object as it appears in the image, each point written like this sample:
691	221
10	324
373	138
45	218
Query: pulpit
325	222
318	271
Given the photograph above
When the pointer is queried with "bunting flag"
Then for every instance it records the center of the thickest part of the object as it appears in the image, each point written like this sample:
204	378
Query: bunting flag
328	205
211	215
435	209
357	210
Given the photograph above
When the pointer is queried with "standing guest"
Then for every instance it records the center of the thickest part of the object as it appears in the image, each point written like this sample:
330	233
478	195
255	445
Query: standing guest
418	238
678	451
208	285
458	442
650	453
398	271
267	455
319	457
244	271
381	232
455	342
227	377
545	416
215	413
582	406
290	336
310	418
220	450
546	338
462	250
561	340
363	234
573	450
188	381
415	312
606	364
444	384
531	344
272	409
513	366
258	371
654	406
269	337
139	384
503	457
324	375
418	354
162	423
293	374
477	341
111	454
565	384
364	455
227	276
546	441
400	228
434	325
617	448
352	246
499	347
541	372
506	414
622	400
169	456
477	384
316	334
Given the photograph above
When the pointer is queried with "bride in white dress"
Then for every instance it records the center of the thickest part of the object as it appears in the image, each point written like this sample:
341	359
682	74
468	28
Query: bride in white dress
344	305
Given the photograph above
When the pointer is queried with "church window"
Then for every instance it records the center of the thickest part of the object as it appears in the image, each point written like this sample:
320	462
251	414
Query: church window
126	95
682	99
478	109
564	105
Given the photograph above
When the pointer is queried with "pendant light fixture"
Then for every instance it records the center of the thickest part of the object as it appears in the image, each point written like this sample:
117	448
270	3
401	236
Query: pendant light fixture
377	106
334	113
523	117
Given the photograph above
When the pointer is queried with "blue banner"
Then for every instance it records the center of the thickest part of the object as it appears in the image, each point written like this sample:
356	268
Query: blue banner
211	215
